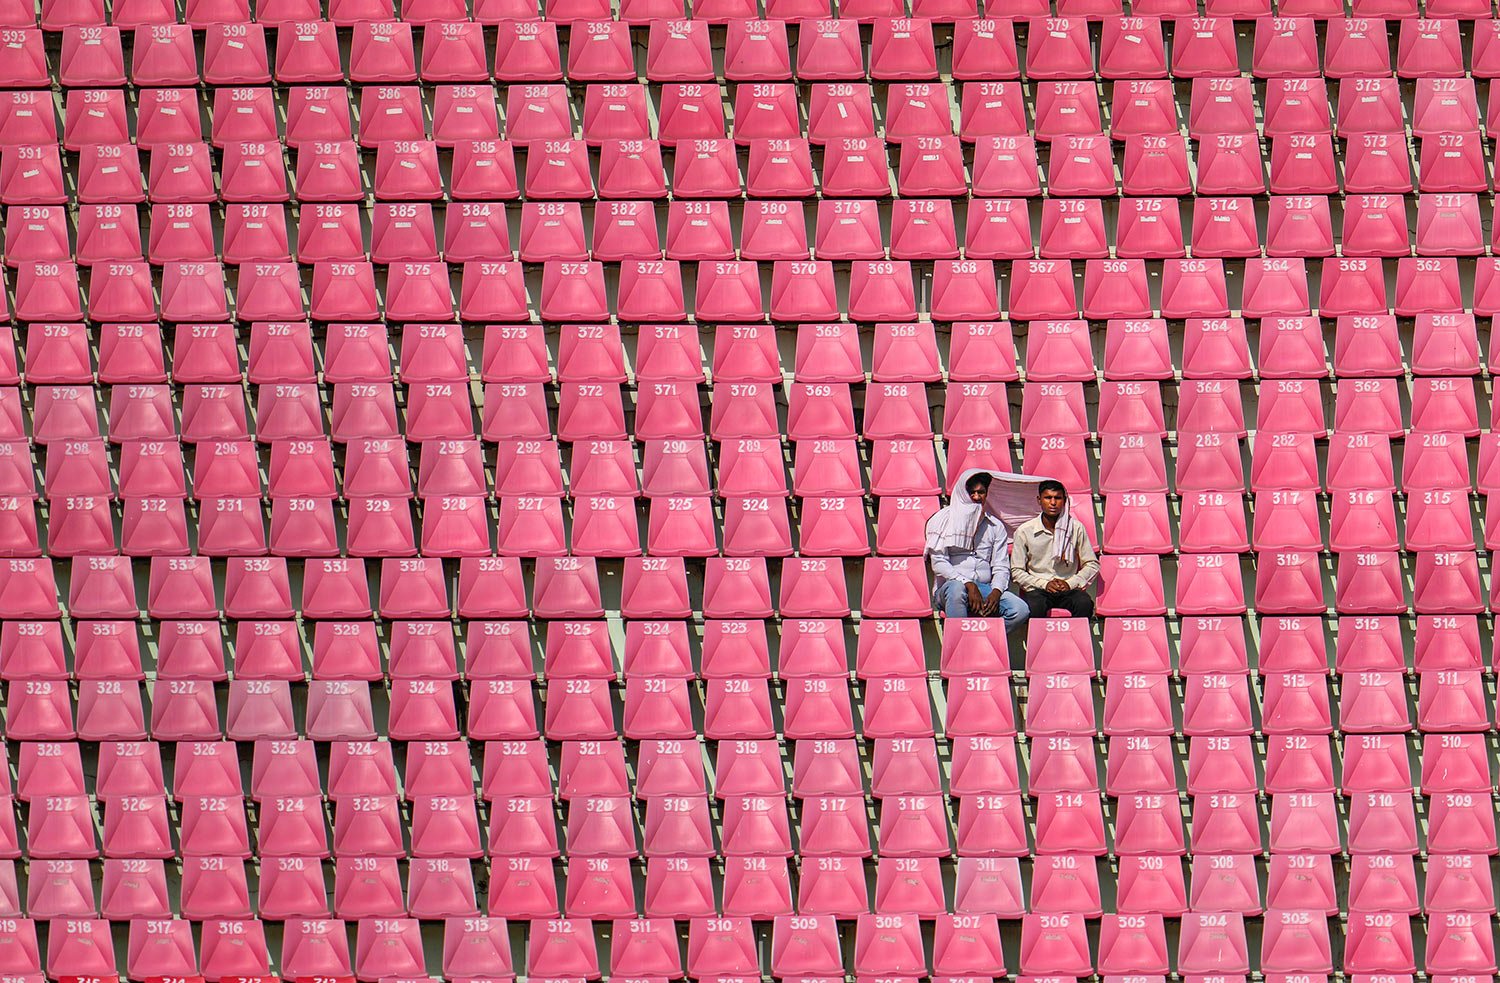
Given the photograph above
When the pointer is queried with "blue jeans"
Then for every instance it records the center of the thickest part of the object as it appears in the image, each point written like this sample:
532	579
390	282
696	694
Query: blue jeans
955	602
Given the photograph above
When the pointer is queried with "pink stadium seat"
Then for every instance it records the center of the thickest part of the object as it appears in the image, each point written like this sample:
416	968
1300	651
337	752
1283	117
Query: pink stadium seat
1143	107
991	109
1357	48
1132	48
1195	289
1155	165
30	67
1225	227
902	48
1005	166
1285	47
317	114
1374	164
983	50
1054	944
527	51
42	238
32	175
312	58
1447	225
29	121
1374	228
756	51
1059	49
1228	165
829	50
588	250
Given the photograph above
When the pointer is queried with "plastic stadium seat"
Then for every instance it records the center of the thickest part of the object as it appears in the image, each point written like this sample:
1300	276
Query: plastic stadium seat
32	176
1446	225
1228	165
1060	49
839	110
1357	48
42	238
1374	228
30	69
1132	48
930	166
1426	287
397	471
1374	164
991	109
1285	47
1143	107
1073	229
1155	165
902	48
1005	166
923	229
1195	289
779	168
30	121
1451	162
312	58
756	51
1066	108
1220	106
1303	164
1225	227
1059	948
830	51
848	230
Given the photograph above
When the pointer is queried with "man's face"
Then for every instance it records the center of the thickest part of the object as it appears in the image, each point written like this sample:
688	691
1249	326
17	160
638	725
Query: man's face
1053	502
977	493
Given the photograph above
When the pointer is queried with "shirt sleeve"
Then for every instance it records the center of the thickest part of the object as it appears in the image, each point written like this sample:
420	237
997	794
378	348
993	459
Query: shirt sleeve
999	553
1088	561
942	566
1020	565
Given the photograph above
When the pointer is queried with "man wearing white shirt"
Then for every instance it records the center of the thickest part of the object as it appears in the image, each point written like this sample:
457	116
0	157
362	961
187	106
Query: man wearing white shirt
969	551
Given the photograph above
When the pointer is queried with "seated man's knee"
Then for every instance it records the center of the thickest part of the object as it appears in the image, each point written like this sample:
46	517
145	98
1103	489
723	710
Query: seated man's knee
954	600
1082	604
1014	610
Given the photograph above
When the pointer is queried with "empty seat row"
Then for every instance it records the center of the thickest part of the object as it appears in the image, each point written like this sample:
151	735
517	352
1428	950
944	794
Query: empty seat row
626	232
910	354
732	291
456	49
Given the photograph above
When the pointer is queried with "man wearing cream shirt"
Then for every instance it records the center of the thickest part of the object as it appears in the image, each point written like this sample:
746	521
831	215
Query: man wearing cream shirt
1052	561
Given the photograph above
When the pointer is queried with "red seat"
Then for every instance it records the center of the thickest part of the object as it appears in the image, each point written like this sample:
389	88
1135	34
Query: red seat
1054	945
1155	165
1374	228
756	51
1375	164
1005	166
902	49
1447	225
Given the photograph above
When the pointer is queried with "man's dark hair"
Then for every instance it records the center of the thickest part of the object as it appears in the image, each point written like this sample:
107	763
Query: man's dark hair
1050	484
980	480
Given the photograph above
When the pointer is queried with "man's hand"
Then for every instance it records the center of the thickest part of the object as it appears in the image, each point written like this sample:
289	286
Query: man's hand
975	602
991	606
1057	585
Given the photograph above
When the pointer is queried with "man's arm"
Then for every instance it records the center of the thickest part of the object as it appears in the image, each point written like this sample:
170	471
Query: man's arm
997	548
1088	565
942	567
1020	566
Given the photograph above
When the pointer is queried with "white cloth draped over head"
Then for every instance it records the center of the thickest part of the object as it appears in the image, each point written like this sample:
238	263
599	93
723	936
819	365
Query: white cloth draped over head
955	526
1011	499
